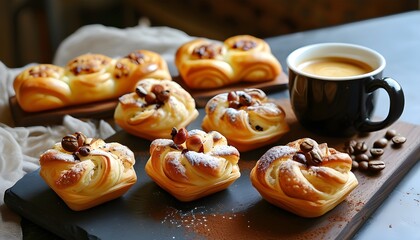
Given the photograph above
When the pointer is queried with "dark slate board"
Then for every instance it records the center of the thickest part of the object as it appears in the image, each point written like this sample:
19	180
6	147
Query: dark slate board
148	212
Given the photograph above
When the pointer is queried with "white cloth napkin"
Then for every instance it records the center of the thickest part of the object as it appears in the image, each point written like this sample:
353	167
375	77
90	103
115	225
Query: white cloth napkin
20	147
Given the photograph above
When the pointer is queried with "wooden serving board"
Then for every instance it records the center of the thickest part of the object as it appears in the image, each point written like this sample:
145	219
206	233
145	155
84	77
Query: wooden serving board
105	109
148	212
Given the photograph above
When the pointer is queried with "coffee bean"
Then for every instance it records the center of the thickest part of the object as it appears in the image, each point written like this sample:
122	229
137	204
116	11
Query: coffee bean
315	157
354	165
363	165
376	165
398	140
380	143
360	147
70	143
307	145
361	157
390	134
299	157
376	152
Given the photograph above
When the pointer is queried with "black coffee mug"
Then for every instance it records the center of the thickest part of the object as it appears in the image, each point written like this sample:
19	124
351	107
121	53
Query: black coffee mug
333	89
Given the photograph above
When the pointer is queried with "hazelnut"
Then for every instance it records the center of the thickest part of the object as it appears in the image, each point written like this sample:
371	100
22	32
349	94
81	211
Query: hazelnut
195	143
179	136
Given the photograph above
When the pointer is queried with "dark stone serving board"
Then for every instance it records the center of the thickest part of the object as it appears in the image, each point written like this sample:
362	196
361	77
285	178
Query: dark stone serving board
148	212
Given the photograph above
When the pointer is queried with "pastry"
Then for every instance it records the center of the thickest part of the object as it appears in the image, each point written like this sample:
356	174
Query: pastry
154	108
85	79
86	172
206	64
304	177
248	119
193	164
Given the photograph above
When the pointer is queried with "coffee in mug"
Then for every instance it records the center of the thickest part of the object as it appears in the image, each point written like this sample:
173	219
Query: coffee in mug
333	88
335	67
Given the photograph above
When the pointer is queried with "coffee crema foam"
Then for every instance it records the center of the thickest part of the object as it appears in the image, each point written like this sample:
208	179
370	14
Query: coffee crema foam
335	67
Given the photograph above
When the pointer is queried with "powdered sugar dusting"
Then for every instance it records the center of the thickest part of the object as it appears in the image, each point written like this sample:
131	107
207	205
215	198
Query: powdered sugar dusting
273	154
224	150
196	158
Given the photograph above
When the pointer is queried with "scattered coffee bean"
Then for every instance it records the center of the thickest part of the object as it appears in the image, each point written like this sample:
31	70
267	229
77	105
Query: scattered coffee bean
376	152
380	143
398	140
354	165
361	157
390	134
376	165
360	147
363	165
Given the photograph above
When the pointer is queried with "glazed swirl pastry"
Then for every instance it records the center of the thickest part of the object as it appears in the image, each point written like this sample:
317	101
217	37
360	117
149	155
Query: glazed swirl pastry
155	108
194	164
85	79
86	172
210	64
303	177
246	118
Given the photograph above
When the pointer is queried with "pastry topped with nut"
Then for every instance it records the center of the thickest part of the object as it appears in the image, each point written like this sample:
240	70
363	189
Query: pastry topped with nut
205	64
86	172
304	177
154	108
248	119
193	164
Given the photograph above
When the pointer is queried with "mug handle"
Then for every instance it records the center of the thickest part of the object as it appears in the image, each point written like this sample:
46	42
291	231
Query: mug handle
396	99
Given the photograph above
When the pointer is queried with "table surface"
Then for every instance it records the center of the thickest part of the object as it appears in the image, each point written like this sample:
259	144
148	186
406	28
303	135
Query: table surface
397	38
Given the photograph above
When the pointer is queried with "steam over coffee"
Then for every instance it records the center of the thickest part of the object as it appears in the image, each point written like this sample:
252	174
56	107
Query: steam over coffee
335	67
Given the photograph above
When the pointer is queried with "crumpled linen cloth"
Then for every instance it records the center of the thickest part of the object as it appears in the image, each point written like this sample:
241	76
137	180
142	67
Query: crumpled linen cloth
20	147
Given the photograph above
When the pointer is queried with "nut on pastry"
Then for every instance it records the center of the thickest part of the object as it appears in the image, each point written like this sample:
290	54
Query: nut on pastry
248	119
154	108
304	177
193	164
211	64
85	79
86	172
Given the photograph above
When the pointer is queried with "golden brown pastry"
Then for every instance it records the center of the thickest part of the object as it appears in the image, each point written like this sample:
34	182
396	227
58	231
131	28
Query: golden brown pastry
304	177
211	64
248	119
194	164
86	172
85	79
155	108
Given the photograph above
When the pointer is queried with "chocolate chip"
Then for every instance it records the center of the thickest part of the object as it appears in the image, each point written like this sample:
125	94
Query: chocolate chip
380	143
376	165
